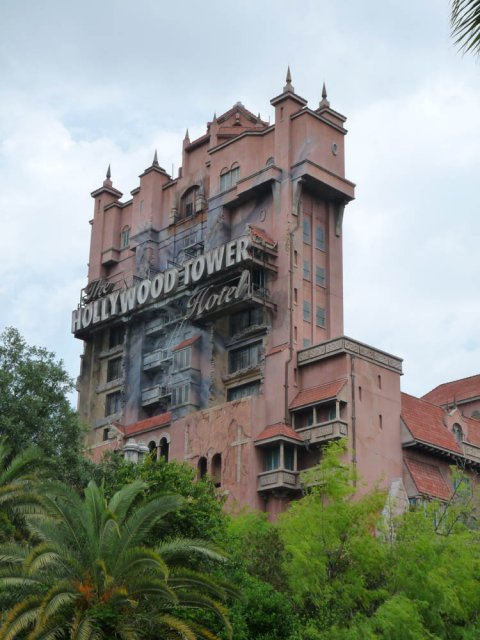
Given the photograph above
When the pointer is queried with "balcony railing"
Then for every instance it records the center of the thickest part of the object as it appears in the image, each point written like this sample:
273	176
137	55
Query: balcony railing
158	359
155	394
278	479
323	432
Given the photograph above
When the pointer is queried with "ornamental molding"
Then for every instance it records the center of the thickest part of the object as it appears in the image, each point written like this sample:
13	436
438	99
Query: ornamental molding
351	347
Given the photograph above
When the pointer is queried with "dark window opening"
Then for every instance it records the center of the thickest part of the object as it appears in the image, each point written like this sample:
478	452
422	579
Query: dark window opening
114	369
245	357
164	447
217	469
244	319
152	448
113	403
116	336
202	468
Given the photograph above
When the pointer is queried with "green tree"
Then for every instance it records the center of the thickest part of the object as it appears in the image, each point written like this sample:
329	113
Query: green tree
92	576
465	21
34	406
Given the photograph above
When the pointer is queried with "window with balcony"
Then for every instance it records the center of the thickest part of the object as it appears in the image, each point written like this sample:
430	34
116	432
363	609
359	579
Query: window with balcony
182	359
272	457
114	369
245	357
113	403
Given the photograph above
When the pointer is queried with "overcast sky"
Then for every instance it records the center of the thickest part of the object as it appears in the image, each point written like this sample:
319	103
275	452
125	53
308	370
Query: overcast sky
88	83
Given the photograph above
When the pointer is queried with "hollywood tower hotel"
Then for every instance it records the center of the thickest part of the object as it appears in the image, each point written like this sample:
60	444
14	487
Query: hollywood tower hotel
212	319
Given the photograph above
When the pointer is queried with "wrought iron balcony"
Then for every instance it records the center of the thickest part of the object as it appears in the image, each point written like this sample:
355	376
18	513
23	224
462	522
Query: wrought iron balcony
158	359
155	394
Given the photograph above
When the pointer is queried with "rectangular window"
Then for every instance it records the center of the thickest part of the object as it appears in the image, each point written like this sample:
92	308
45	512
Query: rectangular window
234	176
244	319
182	359
320	276
288	457
115	337
245	357
250	389
180	394
307	311
114	369
306	270
332	412
125	237
307	231
225	181
113	403
272	458
320	317
306	343
320	237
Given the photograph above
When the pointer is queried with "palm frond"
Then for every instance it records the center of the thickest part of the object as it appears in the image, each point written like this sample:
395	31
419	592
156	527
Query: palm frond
465	23
169	622
122	501
181	549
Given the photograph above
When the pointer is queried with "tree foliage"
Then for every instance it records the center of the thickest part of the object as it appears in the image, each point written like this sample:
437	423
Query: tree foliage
34	405
92	574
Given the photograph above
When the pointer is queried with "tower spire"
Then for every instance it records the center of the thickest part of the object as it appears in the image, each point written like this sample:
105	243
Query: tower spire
324	102
288	86
109	173
155	160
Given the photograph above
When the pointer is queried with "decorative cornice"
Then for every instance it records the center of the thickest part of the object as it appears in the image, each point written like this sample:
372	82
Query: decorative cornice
346	345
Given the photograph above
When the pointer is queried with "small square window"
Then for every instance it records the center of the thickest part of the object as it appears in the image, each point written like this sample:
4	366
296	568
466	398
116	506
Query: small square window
306	343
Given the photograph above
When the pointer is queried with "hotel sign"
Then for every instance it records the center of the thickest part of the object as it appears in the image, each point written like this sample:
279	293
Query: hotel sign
101	303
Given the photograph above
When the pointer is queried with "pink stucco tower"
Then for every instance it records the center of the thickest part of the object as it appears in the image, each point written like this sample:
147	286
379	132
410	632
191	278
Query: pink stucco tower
213	315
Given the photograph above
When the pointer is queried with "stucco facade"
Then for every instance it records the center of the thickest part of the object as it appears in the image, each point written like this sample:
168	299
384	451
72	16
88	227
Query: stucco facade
212	319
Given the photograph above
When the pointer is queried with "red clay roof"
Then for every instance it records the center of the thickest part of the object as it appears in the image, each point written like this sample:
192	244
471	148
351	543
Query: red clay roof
317	394
262	235
473	426
428	479
457	390
425	422
185	343
149	424
277	431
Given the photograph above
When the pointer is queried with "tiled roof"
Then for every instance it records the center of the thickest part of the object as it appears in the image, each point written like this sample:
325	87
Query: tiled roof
262	235
317	394
457	390
185	343
473	427
149	424
279	431
425	422
428	479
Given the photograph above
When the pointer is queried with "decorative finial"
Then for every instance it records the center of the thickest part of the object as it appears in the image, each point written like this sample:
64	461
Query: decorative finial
187	137
155	160
214	116
324	103
288	86
109	173
258	116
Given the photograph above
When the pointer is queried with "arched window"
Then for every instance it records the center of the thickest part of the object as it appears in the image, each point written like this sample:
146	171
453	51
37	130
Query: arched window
125	237
202	468
457	432
189	203
152	448
229	177
164	447
217	469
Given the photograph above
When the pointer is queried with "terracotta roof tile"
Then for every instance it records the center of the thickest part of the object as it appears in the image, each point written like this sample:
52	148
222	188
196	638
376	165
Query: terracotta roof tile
473	427
457	390
262	235
425	422
318	394
428	479
185	343
278	431
148	425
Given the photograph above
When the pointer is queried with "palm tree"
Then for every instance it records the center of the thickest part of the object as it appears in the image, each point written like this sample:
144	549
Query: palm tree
92	576
465	21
